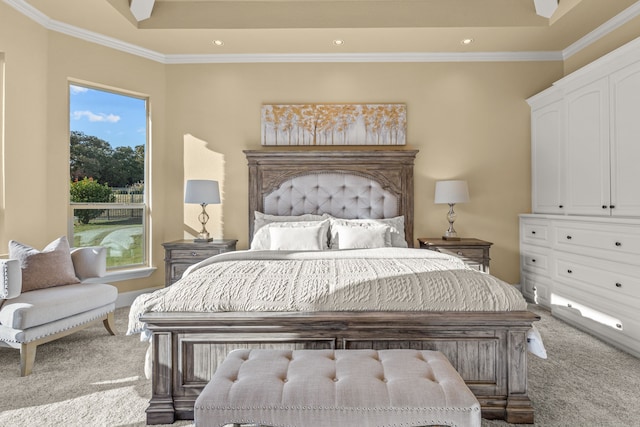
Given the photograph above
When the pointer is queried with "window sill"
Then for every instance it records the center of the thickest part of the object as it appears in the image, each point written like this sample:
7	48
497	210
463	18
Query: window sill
120	275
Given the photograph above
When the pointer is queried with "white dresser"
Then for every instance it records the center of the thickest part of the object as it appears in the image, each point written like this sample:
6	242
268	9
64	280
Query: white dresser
580	249
587	271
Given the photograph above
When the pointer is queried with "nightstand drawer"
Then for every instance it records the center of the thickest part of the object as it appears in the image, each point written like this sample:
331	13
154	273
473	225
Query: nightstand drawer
195	253
471	253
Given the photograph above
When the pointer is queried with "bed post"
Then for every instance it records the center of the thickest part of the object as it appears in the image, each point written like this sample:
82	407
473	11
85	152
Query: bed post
519	409
161	409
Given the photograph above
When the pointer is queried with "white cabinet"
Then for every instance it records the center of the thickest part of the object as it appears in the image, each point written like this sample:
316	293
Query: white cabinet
547	154
587	162
586	270
585	145
625	140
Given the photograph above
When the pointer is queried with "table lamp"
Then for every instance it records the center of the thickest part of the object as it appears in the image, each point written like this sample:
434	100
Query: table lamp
202	192
451	192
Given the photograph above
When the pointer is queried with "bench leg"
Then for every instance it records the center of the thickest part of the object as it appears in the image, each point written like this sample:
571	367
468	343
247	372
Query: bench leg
110	324
27	358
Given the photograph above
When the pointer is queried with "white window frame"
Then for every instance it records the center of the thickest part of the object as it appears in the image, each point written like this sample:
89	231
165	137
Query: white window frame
131	271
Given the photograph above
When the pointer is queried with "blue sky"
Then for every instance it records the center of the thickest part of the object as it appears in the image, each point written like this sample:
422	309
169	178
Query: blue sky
120	120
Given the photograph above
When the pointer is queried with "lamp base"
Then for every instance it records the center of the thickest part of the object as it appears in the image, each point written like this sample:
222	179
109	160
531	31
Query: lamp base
198	240
450	238
203	237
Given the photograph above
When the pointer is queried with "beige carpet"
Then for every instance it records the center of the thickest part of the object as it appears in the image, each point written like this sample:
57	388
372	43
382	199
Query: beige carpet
93	379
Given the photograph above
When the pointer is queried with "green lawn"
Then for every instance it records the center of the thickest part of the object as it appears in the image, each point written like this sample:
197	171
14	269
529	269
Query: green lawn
123	239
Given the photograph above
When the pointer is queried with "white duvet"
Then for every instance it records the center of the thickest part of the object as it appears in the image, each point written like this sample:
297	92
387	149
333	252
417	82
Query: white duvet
387	279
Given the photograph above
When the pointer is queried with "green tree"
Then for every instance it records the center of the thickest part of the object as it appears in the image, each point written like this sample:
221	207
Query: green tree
86	191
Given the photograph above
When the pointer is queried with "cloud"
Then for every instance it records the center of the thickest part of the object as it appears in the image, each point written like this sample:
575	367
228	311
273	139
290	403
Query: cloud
93	117
77	89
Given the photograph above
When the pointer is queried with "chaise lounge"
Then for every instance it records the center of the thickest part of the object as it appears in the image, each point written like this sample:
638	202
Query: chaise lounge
29	318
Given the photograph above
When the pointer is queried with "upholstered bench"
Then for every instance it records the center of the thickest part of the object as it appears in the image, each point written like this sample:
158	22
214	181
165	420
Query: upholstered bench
336	388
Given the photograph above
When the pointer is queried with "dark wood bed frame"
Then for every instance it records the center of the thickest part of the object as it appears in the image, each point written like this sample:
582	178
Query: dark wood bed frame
488	349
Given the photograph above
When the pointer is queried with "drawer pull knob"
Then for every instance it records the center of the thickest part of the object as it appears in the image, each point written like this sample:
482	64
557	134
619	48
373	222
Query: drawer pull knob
618	325
612	206
535	289
533	232
618	285
568	237
561	206
618	244
569	271
569	305
604	206
533	260
194	253
459	253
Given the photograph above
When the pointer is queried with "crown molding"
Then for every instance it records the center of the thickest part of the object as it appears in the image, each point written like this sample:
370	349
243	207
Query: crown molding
31	12
365	57
611	25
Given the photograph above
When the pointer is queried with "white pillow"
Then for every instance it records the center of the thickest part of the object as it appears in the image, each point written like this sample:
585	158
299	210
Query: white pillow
262	219
262	239
362	237
396	229
298	238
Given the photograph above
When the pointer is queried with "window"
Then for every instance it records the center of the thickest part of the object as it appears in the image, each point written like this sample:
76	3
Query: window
108	140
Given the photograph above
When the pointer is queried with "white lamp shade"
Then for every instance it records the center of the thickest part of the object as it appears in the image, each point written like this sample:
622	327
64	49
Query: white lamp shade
451	192
202	191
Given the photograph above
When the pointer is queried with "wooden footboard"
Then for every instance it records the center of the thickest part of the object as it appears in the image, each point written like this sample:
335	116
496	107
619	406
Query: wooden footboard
488	349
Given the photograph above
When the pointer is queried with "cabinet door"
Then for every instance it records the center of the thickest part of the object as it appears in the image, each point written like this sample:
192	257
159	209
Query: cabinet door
625	141
547	159
587	162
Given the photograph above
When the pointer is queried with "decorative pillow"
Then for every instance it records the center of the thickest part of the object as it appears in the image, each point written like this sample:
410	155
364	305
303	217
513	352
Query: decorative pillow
51	267
298	238
262	239
396	229
362	237
262	219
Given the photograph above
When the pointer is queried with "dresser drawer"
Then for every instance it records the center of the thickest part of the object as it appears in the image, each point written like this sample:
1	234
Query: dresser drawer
536	289
199	254
533	258
614	281
177	269
611	244
534	232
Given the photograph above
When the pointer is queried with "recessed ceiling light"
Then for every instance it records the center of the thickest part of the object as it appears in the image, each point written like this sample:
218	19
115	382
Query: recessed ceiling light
338	42
467	41
218	42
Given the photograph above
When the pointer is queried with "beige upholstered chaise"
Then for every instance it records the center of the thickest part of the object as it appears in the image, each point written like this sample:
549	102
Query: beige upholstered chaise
28	319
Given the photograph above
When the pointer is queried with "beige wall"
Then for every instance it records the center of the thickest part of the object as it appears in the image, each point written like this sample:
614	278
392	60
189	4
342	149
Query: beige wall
469	121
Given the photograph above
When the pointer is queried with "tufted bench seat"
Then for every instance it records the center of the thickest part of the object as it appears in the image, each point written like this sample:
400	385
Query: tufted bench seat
333	388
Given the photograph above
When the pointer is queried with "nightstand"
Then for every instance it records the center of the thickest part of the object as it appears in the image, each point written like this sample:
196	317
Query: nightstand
474	252
180	254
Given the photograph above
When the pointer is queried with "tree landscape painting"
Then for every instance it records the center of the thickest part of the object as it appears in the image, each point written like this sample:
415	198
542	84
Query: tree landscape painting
334	124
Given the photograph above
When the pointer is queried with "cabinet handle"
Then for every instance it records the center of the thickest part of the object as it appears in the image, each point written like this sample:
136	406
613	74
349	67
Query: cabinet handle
612	206
561	206
604	206
459	253
533	260
569	271
533	232
568	237
618	285
194	253
618	244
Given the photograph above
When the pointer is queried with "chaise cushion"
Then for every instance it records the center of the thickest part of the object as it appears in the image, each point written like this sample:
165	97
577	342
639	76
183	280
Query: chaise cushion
47	305
43	269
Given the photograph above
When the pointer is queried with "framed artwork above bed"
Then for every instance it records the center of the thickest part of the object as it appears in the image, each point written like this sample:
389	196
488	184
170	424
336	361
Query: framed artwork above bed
334	124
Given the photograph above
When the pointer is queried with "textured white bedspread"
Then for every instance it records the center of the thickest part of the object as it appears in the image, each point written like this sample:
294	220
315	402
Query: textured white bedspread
387	279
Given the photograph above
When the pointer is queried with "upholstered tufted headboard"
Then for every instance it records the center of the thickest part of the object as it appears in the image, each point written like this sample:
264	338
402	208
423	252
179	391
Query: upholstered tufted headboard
345	184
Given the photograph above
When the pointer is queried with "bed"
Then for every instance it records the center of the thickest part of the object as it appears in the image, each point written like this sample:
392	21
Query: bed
488	348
